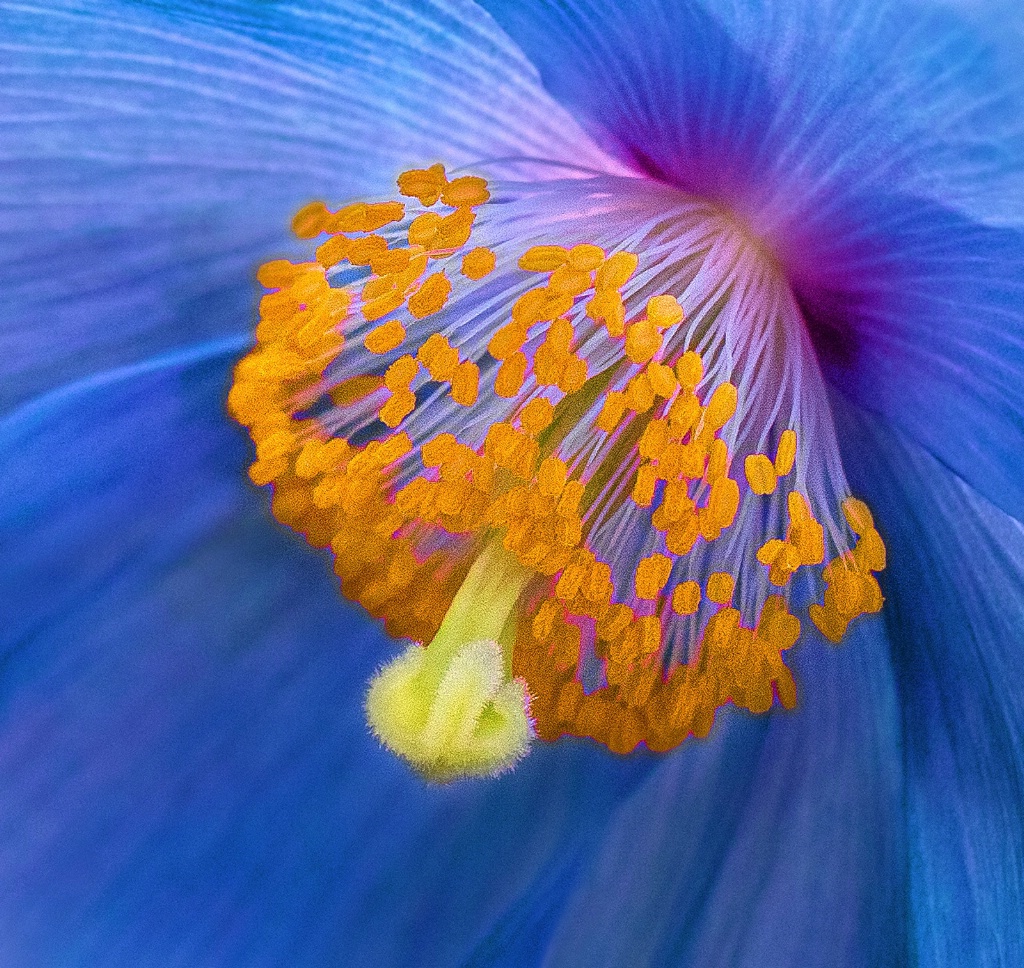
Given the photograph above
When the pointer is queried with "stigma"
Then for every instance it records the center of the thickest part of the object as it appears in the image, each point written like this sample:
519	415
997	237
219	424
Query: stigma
576	452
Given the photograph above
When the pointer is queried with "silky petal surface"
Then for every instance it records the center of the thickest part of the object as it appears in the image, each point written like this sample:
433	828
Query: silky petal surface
777	842
152	155
185	769
879	152
954	613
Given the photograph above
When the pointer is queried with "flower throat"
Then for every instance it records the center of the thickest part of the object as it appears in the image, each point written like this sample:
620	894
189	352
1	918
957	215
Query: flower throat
523	455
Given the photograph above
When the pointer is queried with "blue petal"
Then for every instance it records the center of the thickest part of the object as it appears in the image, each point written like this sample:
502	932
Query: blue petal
879	149
186	775
955	613
777	108
151	157
777	842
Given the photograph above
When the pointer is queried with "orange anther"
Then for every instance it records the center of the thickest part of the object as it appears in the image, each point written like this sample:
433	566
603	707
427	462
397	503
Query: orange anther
333	251
662	379
614	273
543	258
689	370
858	516
478	262
720	587
643	341
511	375
643	487
466	383
453	230
360	252
721	407
760	473
551	476
586	257
278	273
423	228
431	296
400	374
569	281
664	311
424	184
385	337
651	575
466	190
386	302
686	598
537	415
607	305
310	220
398	407
785	455
611	412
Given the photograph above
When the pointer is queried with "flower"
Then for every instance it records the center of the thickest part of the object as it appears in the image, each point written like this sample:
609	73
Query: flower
187	774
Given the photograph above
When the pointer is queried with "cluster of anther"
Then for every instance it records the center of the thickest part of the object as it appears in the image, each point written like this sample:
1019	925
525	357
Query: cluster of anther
407	514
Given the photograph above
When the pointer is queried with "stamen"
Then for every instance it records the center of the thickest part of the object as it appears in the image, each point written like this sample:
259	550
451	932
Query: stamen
534	450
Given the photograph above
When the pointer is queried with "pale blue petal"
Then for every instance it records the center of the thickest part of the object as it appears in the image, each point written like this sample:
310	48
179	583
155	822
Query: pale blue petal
955	613
186	774
776	842
151	156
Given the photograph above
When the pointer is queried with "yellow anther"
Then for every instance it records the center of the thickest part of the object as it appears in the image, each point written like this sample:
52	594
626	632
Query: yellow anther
652	575
614	273
551	476
543	258
586	257
720	408
611	412
424	227
379	306
560	335
683	414
689	370
548	365
466	190
643	341
785	455
453	230
278	273
720	587
643	487
653	440
662	379
478	262
606	305
718	461
724	501
439	357
398	406
436	450
362	251
511	375
858	516
770	551
424	184
310	220
574	374
686	598
401	373
639	395
466	383
386	337
354	389
537	415
351	218
799	509
333	251
431	296
761	474
507	340
572	282
664	311
375	288
390	261
379	214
